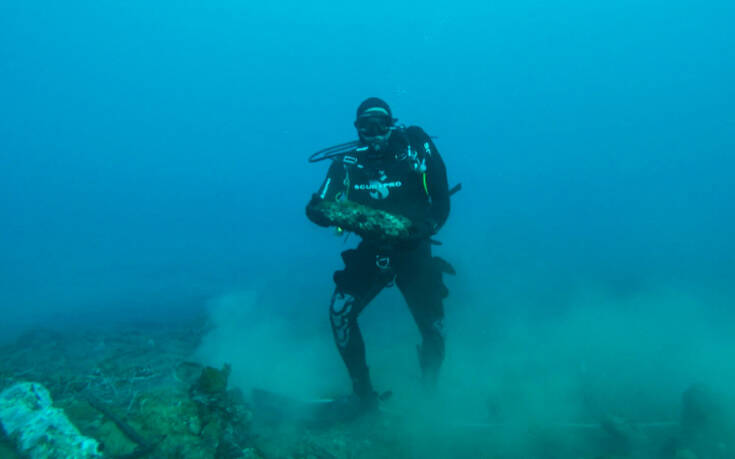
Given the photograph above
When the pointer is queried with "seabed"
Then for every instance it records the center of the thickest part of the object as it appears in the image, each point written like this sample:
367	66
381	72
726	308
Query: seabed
136	391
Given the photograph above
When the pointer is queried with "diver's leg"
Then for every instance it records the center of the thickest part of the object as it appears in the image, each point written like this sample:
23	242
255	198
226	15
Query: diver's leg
420	282
343	313
356	286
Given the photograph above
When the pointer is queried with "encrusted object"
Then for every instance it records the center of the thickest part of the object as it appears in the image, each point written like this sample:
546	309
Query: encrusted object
38	429
365	221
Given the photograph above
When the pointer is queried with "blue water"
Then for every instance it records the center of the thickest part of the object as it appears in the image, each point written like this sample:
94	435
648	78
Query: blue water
153	165
154	152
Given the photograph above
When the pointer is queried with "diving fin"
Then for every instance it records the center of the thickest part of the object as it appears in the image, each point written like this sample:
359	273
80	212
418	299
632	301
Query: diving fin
271	407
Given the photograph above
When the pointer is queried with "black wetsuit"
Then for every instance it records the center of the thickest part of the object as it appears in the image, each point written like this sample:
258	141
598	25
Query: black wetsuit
408	178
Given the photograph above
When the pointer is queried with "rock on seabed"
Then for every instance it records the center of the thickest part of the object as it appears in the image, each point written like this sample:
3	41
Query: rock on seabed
39	430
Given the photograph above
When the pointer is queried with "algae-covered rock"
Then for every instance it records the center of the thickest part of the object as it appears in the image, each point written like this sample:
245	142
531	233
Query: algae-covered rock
7	451
38	429
206	421
365	221
166	412
213	381
188	373
173	417
114	441
224	415
92	423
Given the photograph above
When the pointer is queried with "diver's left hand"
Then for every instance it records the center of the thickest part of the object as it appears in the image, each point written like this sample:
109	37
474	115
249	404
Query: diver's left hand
419	231
422	229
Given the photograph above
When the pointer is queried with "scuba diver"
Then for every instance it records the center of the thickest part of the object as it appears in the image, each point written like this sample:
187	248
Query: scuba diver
398	170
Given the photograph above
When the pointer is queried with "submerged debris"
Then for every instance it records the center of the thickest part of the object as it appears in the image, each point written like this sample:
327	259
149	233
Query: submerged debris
151	398
38	429
365	221
143	446
137	395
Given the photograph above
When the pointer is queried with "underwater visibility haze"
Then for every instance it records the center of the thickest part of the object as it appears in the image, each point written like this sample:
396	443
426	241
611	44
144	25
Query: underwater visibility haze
154	175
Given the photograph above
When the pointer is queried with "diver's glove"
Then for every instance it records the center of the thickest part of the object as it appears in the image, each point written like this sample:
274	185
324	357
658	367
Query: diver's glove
419	231
422	229
314	215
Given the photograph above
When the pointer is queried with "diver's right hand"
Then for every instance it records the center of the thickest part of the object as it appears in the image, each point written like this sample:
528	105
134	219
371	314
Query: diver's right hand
313	214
